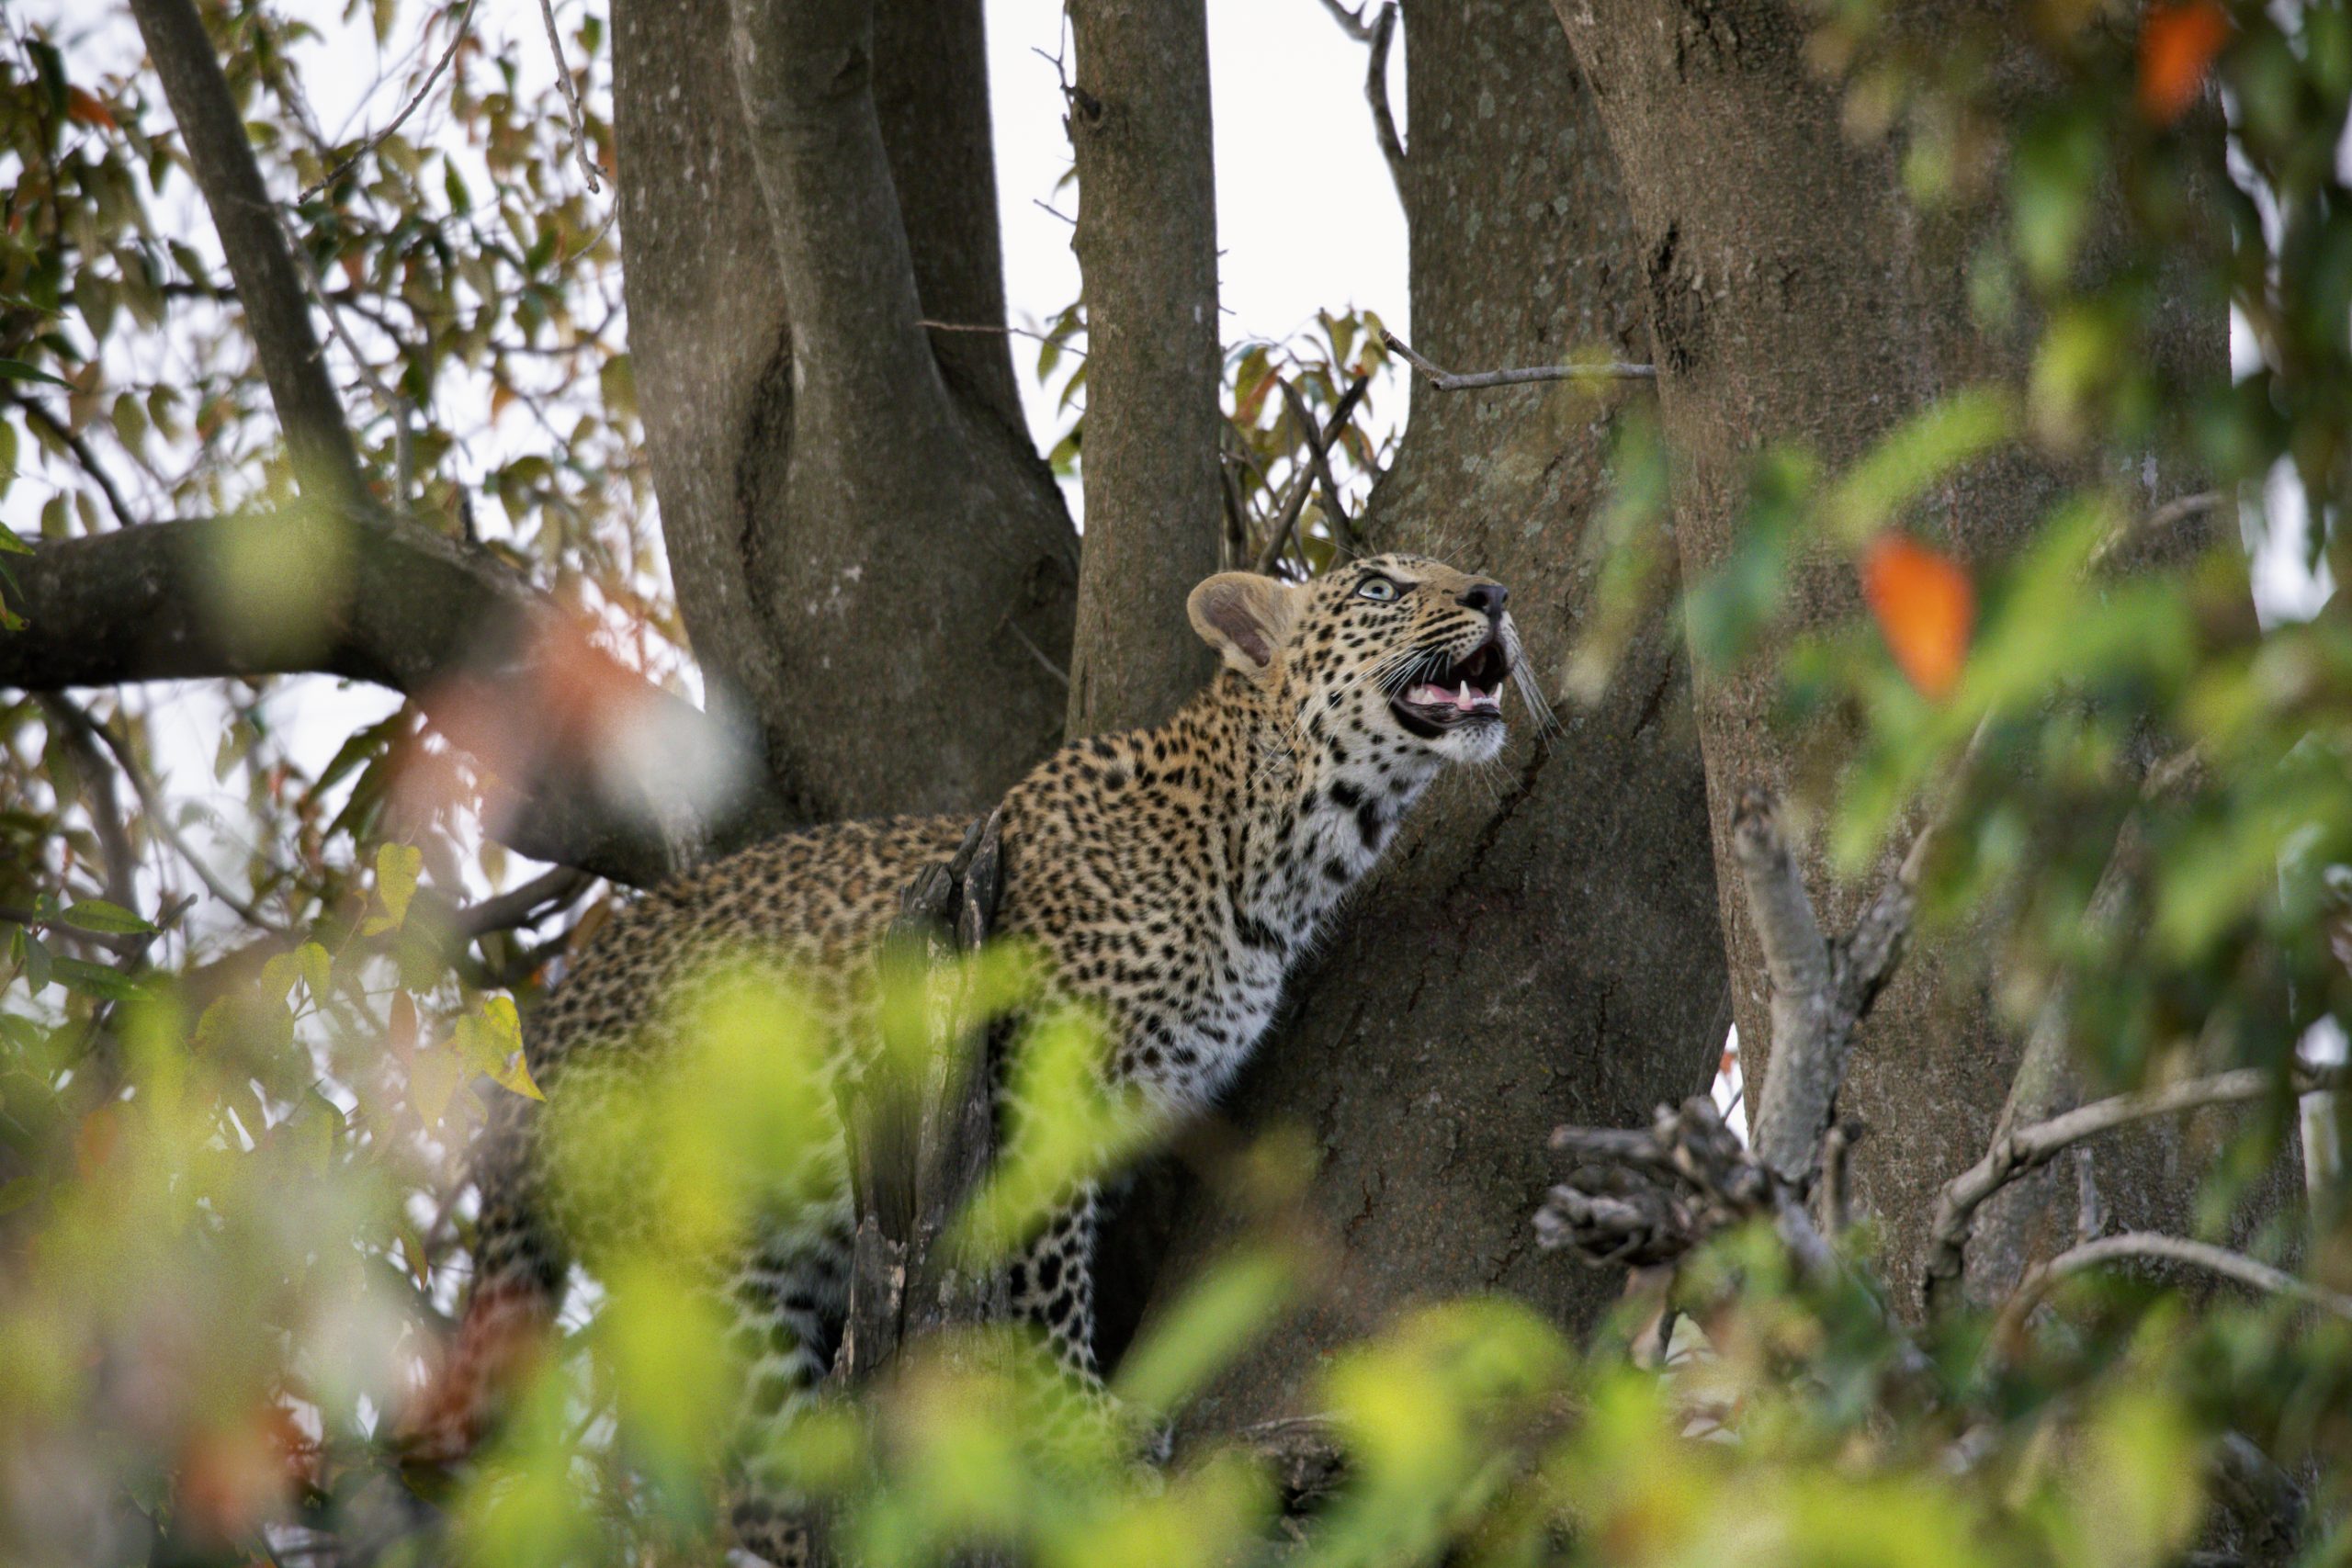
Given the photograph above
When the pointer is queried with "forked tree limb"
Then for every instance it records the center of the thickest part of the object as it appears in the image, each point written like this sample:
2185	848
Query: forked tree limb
862	362
2026	1149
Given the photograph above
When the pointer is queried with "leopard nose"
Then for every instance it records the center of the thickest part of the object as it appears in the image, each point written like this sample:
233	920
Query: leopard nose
1487	598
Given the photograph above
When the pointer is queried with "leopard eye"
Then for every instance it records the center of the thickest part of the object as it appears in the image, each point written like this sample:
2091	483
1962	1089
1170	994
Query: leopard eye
1376	587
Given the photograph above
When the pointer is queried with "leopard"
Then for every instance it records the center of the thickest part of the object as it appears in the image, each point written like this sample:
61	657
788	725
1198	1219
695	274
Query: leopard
1172	877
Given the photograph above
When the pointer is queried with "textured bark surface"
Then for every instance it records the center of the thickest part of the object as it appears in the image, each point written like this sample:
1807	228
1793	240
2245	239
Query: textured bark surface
1541	944
1147	247
860	532
1792	294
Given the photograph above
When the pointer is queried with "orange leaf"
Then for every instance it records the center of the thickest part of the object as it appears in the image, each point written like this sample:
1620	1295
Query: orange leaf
83	107
1925	606
2178	43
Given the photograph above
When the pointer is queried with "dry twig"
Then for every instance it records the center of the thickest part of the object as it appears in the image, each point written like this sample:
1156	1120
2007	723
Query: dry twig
457	36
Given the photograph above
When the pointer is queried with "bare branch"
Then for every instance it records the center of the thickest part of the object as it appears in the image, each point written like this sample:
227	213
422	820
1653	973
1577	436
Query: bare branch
1343	527
457	36
1447	381
1293	501
1375	93
326	464
105	809
2025	1149
1302	483
571	99
159	817
2147	1247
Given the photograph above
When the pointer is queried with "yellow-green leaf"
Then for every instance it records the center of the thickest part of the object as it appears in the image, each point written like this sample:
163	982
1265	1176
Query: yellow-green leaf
397	866
318	970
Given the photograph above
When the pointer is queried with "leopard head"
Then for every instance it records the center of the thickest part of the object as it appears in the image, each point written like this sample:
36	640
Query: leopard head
1394	655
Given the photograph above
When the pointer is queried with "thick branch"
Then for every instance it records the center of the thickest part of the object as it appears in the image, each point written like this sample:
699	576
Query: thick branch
1793	1110
2016	1152
277	313
400	607
1146	248
803	72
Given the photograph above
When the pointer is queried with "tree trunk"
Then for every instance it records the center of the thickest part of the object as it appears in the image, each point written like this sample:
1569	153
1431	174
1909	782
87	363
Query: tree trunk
1147	246
1542	945
862	537
1794	295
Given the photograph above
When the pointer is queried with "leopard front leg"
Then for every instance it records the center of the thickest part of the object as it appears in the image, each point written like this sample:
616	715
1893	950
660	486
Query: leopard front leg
1051	1285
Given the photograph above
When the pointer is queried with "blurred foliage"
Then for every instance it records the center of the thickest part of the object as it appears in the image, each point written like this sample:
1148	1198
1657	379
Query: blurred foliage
230	1212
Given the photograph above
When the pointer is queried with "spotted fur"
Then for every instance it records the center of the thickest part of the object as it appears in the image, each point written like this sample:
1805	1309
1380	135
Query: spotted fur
1171	876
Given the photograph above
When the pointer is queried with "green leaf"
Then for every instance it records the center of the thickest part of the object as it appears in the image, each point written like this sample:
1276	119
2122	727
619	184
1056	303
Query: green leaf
97	915
96	980
17	370
34	956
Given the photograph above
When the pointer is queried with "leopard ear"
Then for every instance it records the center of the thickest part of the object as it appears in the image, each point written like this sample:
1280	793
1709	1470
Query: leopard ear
1245	618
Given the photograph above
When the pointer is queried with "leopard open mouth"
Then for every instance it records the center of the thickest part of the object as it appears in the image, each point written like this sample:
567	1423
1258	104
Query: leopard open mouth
1466	692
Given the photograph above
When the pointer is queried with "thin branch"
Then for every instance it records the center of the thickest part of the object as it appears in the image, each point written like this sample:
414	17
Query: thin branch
1448	381
106	807
1303	482
326	462
2149	1246
1317	456
83	455
2027	1149
1375	93
158	817
571	99
1352	23
457	36
1010	331
2172	513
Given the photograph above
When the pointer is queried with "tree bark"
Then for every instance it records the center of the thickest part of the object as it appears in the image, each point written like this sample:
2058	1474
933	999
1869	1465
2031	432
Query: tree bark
1542	946
1146	248
862	537
1793	294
